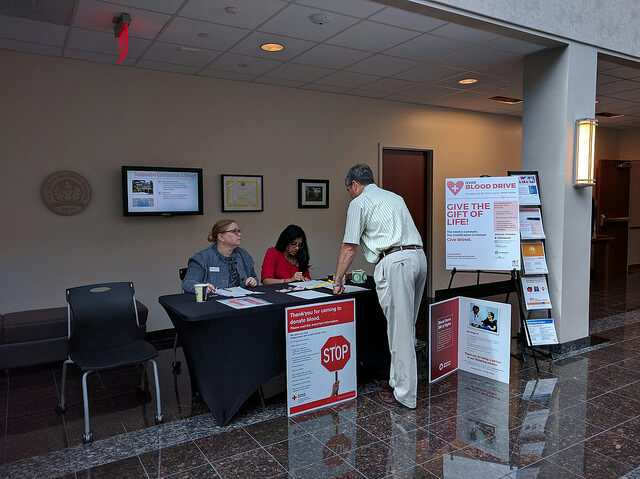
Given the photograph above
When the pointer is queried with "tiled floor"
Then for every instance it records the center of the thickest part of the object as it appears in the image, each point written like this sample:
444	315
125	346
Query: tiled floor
580	417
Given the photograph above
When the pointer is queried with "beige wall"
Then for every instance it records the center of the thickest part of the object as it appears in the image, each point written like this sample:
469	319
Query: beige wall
63	114
630	150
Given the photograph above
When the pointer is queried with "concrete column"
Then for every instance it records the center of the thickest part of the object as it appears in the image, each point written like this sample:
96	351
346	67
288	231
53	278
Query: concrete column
559	88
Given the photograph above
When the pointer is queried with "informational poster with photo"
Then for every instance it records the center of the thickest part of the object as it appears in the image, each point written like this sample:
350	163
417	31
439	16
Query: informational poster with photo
482	223
472	335
535	292
531	224
528	190
542	331
533	258
321	355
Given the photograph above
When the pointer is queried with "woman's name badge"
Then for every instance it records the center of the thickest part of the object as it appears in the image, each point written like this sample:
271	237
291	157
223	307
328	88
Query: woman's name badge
214	269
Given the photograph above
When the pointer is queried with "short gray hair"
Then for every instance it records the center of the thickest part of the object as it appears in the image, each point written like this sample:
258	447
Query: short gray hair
361	173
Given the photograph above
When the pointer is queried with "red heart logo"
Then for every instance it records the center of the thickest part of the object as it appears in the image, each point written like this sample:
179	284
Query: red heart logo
456	187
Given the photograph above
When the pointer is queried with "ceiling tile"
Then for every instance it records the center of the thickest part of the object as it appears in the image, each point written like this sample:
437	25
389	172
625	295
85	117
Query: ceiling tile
466	34
627	95
356	8
243	64
605	65
427	47
297	72
348	79
368	94
624	72
26	30
382	65
169	53
326	88
476	57
162	6
426	92
250	13
616	87
428	72
99	16
279	82
96	57
59	12
227	75
105	43
185	31
390	85
294	21
167	67
30	47
330	56
251	46
402	18
510	67
514	46
373	37
603	79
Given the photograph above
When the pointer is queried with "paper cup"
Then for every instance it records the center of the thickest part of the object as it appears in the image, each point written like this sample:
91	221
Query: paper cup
358	276
201	292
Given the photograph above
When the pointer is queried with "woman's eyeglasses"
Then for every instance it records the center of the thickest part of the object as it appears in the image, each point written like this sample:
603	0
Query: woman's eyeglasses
235	232
296	245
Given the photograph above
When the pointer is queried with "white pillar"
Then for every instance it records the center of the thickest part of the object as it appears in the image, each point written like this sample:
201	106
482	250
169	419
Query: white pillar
559	88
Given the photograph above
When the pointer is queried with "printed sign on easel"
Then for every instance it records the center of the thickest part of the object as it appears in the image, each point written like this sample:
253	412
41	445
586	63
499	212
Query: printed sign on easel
472	335
321	355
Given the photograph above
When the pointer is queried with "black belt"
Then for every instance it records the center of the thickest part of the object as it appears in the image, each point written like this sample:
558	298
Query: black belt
395	249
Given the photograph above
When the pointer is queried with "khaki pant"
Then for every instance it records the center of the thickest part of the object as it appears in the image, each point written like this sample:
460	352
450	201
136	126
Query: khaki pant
400	278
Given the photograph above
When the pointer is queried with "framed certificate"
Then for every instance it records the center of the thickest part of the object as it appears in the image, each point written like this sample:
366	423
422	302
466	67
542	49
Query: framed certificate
242	193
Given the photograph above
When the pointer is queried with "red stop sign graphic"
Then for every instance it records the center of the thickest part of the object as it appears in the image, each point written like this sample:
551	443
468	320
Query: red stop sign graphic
335	353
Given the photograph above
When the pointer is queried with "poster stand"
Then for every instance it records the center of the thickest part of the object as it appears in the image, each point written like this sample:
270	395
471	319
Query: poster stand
485	290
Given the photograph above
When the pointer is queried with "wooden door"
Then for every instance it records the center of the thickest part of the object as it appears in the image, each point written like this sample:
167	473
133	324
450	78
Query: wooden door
612	212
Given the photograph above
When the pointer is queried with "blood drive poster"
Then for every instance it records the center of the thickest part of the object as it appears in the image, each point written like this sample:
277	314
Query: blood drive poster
482	223
472	335
321	355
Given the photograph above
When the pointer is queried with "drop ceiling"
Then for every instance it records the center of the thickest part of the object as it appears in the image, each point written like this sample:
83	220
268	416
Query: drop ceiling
365	48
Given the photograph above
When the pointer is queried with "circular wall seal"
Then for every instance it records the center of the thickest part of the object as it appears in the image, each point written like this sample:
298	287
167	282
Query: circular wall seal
66	193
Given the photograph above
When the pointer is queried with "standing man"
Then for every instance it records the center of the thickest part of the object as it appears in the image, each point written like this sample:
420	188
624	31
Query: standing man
380	221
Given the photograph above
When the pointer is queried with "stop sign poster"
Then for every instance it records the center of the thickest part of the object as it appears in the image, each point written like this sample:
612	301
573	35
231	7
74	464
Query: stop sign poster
482	223
321	355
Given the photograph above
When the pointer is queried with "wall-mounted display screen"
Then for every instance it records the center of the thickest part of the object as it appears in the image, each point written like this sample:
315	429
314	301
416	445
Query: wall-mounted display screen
148	191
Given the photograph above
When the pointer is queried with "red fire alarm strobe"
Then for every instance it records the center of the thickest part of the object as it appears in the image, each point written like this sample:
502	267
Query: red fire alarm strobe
121	31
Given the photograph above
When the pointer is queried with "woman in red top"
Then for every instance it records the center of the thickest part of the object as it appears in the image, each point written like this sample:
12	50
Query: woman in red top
289	260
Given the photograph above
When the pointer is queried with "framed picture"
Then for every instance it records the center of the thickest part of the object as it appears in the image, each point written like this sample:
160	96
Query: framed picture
313	193
242	193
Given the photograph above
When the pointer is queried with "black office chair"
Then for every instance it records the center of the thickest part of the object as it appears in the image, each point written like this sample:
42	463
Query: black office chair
182	272
103	334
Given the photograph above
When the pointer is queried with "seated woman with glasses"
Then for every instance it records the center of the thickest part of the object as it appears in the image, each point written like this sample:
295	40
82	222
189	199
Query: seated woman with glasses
223	264
289	260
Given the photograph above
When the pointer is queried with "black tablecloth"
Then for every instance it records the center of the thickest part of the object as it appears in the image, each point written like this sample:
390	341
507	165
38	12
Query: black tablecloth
230	352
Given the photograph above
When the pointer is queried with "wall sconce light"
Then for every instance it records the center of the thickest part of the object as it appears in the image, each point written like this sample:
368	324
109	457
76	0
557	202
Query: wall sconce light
583	173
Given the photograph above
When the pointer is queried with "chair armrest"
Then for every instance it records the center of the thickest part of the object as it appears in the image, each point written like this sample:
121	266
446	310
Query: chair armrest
143	313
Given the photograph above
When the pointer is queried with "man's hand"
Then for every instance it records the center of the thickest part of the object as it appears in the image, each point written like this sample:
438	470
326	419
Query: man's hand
251	282
334	389
338	289
345	258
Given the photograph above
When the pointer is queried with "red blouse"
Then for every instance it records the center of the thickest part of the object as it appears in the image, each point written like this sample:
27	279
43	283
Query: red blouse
275	265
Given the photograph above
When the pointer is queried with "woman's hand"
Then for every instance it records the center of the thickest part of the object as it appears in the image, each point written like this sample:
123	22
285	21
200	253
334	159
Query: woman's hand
210	288
251	282
297	277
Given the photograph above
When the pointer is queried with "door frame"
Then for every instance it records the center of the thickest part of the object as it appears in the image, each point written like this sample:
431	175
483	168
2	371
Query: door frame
428	193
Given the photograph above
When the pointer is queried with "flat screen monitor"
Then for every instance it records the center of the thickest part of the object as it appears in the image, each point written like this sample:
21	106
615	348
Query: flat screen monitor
159	191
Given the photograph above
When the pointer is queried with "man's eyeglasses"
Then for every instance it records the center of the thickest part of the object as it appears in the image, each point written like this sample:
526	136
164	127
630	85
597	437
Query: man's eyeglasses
296	245
235	232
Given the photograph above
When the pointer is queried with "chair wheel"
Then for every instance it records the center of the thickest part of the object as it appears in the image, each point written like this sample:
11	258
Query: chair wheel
87	438
159	418
61	408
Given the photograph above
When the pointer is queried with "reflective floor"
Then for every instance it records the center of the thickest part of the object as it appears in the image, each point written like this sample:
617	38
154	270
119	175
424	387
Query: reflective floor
580	417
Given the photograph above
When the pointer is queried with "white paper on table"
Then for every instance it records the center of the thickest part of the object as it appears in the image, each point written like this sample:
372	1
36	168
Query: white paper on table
308	294
243	303
352	289
531	224
234	292
313	283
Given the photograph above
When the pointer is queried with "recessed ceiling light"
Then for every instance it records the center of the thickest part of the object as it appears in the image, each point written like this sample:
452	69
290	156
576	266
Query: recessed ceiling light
505	99
468	81
272	47
203	35
607	114
231	10
597	101
188	51
244	65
